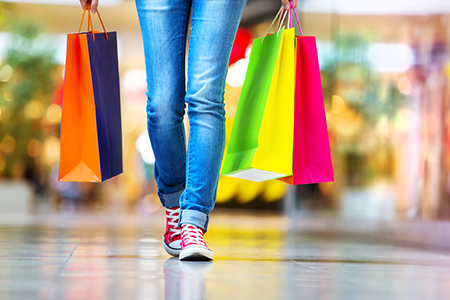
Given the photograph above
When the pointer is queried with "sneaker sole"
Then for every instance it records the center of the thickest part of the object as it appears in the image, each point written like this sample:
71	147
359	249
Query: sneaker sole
196	253
172	251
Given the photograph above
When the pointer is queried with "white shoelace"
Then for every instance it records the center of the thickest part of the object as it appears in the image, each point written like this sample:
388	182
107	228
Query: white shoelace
192	235
174	215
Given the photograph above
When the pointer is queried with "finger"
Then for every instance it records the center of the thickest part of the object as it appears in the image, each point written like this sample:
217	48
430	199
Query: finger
83	3
285	4
294	2
94	4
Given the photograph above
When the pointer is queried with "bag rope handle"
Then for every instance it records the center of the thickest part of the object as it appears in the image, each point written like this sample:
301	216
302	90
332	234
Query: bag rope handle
282	19
296	17
90	26
290	19
280	15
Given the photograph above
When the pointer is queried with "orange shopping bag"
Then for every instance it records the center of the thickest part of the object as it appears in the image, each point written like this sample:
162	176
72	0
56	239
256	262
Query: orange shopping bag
91	134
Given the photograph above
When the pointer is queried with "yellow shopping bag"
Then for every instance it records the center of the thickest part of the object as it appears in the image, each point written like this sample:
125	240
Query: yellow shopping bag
275	151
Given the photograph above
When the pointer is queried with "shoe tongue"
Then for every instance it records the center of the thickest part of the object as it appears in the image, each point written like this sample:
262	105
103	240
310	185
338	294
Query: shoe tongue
193	227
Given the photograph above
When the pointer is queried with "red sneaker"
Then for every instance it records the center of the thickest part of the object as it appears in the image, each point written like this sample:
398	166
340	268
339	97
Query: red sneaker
193	246
172	236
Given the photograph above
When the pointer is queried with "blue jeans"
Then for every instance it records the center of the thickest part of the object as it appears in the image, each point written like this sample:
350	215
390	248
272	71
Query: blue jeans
188	178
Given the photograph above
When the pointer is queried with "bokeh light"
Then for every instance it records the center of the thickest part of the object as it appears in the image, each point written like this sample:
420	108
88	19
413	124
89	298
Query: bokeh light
34	148
404	86
249	191
51	150
383	126
337	104
236	73
6	73
4	116
274	190
8	145
227	189
8	97
34	109
391	57
145	148
54	113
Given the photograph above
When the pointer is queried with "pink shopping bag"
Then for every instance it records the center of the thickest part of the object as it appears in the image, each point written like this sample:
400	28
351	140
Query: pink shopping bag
312	158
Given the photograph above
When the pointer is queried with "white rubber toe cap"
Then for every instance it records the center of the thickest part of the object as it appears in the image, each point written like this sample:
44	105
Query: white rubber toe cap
196	253
173	248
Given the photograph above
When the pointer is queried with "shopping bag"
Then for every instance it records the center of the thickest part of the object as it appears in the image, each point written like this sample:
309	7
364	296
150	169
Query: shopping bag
312	158
261	144
91	134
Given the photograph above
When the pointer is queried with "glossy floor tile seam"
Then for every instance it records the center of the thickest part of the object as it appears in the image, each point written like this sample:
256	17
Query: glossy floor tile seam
329	274
327	261
376	239
268	259
53	285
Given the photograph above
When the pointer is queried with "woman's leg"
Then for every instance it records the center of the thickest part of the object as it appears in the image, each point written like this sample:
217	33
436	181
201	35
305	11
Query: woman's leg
164	28
214	26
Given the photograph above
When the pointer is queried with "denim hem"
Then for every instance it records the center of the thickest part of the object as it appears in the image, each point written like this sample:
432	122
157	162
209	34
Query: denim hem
194	217
170	199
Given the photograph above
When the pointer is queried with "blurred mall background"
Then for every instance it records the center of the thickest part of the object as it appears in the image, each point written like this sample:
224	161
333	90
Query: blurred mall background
386	79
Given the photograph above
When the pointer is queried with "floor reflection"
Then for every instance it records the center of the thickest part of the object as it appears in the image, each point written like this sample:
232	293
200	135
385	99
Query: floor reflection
184	280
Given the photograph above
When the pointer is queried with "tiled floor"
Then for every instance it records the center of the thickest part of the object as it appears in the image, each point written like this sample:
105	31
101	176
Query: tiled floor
121	257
